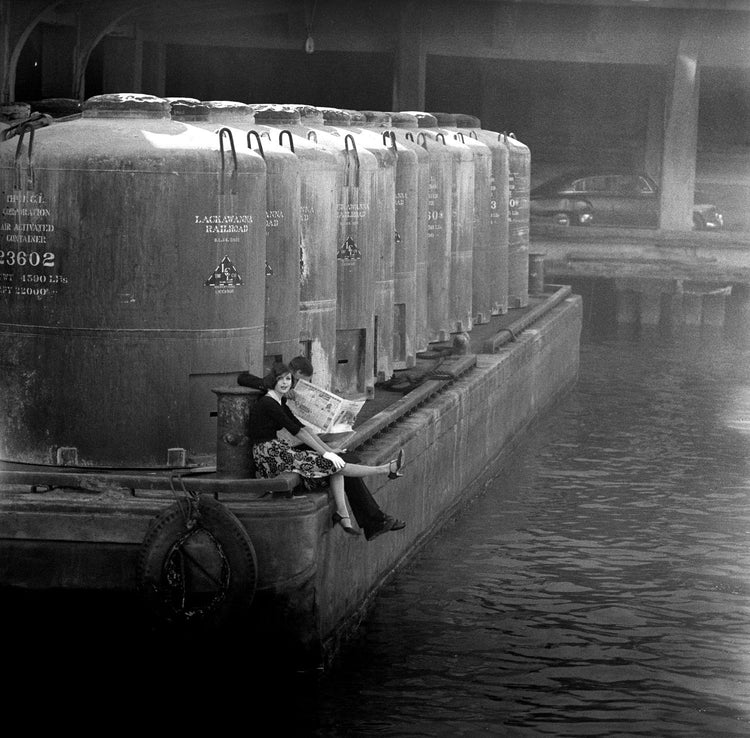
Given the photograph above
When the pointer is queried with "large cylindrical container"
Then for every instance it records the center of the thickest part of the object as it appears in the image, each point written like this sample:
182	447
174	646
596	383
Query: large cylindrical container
357	249
383	208
405	240
462	231
412	127
132	283
481	286
497	253
321	177
519	184
405	141
282	326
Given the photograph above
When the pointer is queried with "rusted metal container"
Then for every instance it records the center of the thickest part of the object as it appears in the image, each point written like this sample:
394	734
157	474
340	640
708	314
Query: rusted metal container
519	183
405	140
282	325
405	240
497	253
322	174
132	282
413	127
462	232
383	211
481	284
357	250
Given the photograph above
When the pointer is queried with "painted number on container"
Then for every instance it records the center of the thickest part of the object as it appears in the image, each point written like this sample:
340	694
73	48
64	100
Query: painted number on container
24	258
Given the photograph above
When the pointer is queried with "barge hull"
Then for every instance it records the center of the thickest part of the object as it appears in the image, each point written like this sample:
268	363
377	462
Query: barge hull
315	584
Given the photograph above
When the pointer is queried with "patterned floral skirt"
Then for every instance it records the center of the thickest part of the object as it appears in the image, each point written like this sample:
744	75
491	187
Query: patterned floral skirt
274	457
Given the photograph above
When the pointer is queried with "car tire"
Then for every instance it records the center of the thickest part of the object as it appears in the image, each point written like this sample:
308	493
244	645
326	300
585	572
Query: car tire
562	219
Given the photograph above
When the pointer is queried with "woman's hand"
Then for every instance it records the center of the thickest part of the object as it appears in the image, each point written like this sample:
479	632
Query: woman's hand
337	461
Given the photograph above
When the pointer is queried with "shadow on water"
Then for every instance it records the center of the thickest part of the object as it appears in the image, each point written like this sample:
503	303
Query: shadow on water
71	656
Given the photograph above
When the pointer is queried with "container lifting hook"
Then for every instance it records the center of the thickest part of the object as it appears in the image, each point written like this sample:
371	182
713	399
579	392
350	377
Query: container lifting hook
291	140
226	131
257	139
392	136
27	182
347	139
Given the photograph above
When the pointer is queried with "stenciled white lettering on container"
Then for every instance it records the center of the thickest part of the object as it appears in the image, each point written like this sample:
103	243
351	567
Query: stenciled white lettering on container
274	218
27	260
435	213
225	228
350	212
306	212
494	214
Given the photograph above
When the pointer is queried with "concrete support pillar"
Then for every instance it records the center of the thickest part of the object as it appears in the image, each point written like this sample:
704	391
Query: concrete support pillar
654	131
737	312
627	305
681	132
692	309
650	308
671	309
741	296
411	59
714	309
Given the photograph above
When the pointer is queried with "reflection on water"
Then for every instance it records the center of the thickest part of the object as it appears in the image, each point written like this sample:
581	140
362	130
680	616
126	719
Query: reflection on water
599	587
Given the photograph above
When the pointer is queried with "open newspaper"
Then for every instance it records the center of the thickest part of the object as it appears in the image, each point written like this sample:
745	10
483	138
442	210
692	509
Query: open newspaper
321	410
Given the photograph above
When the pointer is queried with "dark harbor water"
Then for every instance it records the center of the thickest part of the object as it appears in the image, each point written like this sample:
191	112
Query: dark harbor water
598	587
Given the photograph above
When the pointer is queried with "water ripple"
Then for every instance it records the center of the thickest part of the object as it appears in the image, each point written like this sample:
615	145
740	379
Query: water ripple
599	587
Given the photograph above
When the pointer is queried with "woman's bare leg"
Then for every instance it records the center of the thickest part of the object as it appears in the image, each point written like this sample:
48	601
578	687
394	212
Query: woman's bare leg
336	482
360	470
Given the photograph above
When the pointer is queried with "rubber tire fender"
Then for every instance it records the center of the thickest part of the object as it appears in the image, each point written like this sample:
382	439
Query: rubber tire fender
219	525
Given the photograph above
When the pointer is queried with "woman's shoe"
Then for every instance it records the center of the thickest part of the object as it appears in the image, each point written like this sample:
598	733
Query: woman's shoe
345	525
395	473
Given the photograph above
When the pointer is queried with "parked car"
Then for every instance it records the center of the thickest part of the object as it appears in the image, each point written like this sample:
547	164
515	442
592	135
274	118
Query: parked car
610	198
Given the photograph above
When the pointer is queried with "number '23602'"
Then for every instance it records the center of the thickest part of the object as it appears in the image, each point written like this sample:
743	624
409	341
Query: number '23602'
23	258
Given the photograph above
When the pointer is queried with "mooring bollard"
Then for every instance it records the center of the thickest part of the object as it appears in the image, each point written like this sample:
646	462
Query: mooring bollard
233	457
536	274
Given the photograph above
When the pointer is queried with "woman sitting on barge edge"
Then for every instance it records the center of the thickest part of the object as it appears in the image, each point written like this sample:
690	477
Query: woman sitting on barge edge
319	467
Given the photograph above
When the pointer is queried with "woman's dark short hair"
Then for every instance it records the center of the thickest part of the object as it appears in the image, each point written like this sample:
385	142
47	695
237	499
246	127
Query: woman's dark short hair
277	370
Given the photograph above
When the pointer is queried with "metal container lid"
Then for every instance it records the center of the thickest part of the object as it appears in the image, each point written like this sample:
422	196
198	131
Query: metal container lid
219	110
464	120
57	107
377	117
357	117
126	105
272	115
13	112
413	119
188	108
309	115
446	119
336	117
